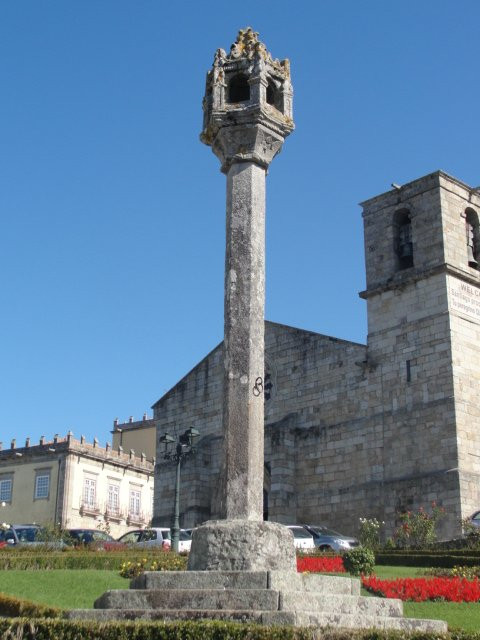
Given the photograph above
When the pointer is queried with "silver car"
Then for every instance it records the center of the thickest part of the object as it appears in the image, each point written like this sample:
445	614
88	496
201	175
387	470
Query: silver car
156	537
28	535
327	539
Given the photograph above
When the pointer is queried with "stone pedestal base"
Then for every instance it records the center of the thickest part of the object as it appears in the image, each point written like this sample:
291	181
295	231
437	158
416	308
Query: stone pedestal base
264	597
242	545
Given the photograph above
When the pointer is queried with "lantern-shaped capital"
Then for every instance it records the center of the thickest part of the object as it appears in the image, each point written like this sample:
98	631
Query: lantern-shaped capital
247	89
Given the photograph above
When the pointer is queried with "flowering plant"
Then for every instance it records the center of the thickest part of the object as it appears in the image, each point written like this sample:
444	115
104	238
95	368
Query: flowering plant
165	561
421	589
458	571
418	529
471	533
325	564
369	533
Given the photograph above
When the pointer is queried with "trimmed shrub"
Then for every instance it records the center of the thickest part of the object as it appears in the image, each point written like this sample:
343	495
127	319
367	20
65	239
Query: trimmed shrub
24	629
15	608
172	562
105	560
359	561
427	559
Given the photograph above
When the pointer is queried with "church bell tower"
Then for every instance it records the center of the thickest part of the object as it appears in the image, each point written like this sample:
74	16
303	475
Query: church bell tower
422	243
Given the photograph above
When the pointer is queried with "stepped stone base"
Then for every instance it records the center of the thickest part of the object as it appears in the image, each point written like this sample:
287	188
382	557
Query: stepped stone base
264	597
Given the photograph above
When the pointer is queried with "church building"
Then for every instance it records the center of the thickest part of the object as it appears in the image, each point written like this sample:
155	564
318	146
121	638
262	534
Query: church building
355	430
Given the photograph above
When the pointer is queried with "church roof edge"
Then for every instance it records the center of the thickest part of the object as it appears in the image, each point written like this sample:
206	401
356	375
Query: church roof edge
219	345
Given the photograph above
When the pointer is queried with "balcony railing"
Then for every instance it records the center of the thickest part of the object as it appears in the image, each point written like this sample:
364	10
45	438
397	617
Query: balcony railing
135	518
89	507
114	513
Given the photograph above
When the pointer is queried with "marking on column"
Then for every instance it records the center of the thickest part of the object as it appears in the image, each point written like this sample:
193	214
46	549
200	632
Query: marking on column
258	387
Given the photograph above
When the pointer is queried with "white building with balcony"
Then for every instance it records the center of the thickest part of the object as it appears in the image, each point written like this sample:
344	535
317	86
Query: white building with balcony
76	484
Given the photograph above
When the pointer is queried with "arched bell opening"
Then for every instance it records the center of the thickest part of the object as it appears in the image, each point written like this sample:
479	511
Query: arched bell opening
274	96
238	89
472	238
403	239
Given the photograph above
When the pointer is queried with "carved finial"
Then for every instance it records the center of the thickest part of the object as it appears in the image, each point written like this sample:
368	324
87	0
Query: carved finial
219	57
247	45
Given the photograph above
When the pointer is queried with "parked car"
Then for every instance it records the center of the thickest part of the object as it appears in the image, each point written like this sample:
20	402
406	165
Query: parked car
154	537
302	538
327	539
93	537
184	541
475	519
157	537
26	534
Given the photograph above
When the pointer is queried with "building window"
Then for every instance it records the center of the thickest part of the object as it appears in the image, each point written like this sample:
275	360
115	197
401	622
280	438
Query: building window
90	493
472	237
113	499
409	370
135	503
6	486
42	486
238	89
403	239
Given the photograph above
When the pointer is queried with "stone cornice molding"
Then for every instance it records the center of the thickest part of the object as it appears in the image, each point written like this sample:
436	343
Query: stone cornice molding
401	283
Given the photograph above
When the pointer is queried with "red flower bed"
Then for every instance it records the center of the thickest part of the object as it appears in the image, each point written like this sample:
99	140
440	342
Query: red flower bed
320	563
421	589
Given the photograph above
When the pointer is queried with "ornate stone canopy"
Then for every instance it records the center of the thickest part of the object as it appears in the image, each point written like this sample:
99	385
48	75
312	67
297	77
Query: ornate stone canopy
248	103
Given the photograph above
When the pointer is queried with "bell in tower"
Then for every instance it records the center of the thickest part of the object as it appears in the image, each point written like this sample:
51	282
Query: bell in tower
405	244
472	258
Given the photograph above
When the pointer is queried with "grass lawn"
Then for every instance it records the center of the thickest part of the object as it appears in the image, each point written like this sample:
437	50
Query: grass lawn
64	588
390	573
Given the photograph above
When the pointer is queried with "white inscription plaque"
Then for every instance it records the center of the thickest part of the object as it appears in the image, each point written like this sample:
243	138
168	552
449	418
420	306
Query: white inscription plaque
464	299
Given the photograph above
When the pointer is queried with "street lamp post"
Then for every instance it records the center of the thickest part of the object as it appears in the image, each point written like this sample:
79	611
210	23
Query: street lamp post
183	449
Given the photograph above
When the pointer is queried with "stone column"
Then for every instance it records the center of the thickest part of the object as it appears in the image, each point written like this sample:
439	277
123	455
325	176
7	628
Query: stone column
243	399
245	122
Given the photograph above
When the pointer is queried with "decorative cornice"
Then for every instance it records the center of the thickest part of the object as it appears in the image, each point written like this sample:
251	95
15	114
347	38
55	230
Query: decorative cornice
70	446
446	268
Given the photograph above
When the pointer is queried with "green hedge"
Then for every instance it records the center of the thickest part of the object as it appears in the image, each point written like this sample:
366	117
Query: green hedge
15	607
106	560
433	552
427	559
37	629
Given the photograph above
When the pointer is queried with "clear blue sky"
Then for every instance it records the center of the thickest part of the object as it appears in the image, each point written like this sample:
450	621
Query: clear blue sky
112	211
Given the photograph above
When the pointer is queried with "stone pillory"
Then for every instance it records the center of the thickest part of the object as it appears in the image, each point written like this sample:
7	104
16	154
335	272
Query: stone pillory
240	567
247	115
